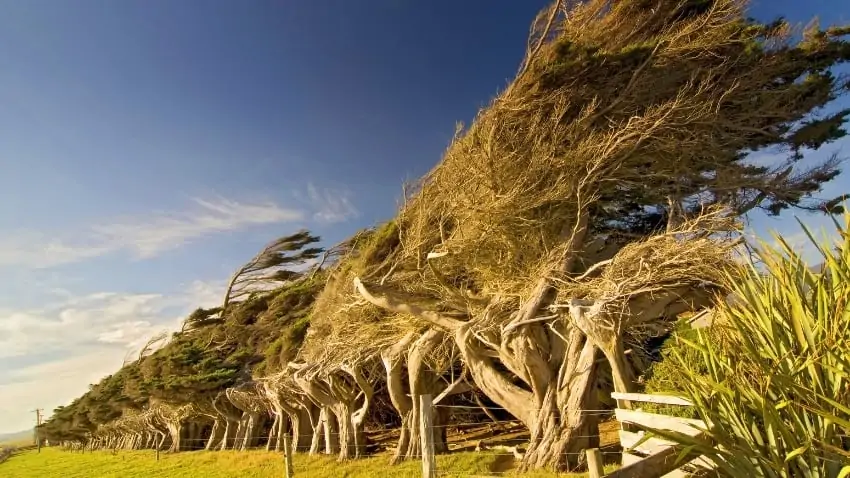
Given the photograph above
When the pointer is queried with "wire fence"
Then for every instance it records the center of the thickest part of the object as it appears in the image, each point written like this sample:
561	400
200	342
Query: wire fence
490	447
499	444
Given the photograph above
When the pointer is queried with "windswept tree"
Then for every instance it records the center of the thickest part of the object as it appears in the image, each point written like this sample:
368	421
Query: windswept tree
201	318
278	262
596	199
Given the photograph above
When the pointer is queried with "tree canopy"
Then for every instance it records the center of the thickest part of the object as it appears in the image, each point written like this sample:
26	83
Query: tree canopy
212	352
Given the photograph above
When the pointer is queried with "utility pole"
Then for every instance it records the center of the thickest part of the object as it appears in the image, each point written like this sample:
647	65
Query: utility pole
35	430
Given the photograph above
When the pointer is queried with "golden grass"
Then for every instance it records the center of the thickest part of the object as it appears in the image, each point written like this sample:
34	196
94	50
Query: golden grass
17	442
52	462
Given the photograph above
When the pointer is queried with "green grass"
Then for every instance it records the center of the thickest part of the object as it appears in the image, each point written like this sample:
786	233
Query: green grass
53	462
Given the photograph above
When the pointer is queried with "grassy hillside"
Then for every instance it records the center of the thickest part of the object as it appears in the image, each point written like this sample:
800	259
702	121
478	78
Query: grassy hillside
52	462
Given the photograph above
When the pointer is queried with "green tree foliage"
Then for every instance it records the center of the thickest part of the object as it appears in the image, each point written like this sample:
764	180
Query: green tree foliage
104	402
277	262
211	352
664	376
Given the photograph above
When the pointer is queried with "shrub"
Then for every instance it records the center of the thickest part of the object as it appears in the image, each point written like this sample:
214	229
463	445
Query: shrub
774	385
665	376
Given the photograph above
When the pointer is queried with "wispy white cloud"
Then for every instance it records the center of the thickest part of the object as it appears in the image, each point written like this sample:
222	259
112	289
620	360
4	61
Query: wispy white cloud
142	236
64	346
331	206
150	235
52	348
50	384
121	319
35	249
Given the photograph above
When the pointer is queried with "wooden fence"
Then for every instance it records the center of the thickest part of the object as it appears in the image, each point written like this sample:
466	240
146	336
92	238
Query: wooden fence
654	457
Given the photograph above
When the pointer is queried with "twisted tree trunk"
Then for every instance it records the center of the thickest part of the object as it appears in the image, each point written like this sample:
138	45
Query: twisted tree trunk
420	380
330	431
228	438
303	419
273	442
174	431
317	431
551	358
338	396
250	426
567	422
216	434
232	418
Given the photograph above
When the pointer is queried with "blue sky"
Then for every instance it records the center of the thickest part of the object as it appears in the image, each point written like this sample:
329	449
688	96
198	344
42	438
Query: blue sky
147	148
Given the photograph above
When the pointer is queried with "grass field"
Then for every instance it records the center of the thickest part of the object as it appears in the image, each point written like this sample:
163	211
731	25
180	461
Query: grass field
52	462
17	439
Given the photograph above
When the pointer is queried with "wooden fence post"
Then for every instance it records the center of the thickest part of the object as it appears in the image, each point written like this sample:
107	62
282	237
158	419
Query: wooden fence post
287	455
594	463
426	432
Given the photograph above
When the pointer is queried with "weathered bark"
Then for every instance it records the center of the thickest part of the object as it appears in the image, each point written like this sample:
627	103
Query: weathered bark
232	417
358	416
318	431
621	370
239	439
562	389
293	412
492	382
338	397
305	420
564	428
250	426
273	442
174	431
555	361
228	439
420	381
274	399
350	437
249	399
331	432
392	360
349	417
606	330
301	425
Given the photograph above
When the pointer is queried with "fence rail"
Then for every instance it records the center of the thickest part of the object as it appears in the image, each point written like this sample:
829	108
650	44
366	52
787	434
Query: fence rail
646	456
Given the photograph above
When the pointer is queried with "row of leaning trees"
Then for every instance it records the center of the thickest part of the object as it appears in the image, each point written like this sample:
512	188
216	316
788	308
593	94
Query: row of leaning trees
597	199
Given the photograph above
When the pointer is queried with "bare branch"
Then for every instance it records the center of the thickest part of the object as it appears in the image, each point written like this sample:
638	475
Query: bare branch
389	303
